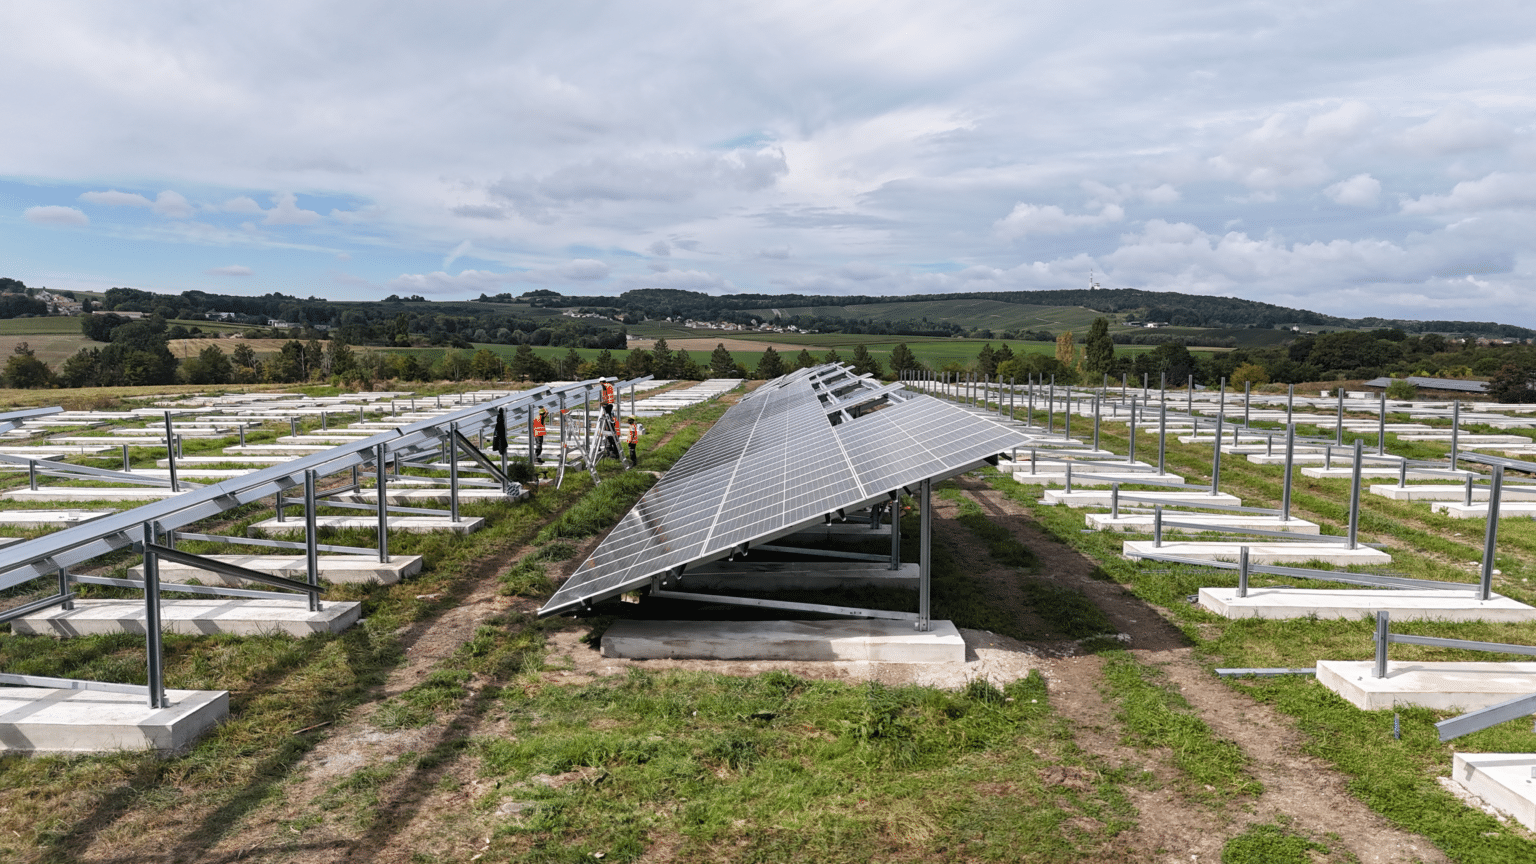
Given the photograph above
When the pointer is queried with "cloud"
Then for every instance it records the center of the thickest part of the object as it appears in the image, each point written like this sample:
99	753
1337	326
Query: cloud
55	215
660	248
466	282
778	253
458	252
479	211
584	270
285	211
1456	129
241	204
1027	219
114	198
1493	192
231	270
343	256
666	177
172	204
1288	151
1361	190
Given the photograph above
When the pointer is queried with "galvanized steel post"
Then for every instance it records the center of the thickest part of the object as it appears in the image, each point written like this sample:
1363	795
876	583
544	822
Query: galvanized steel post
1491	538
380	457
152	638
311	541
925	551
1354	497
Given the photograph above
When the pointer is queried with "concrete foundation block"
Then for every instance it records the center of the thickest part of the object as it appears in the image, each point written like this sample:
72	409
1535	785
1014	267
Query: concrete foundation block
790	576
1458	510
1100	498
1450	492
1441	686
409	524
335	569
1346	472
411	497
1088	477
1503	780
49	518
1141	523
872	640
207	616
1410	605
39	720
1261	553
45	494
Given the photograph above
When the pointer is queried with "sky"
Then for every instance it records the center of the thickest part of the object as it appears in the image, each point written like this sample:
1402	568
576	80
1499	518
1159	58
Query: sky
1346	157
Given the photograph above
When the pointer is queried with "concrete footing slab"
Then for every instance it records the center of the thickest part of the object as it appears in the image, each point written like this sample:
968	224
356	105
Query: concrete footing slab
336	569
1100	498
409	524
41	720
1441	686
1450	492
45	494
1353	603
1345	472
49	518
184	461
871	640
275	449
1261	553
408	497
207	616
1458	510
1008	466
1505	781
796	576
1142	522
1094	478
1298	457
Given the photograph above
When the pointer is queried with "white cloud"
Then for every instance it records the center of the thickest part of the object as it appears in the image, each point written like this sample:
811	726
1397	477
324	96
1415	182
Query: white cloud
1027	219
231	270
458	252
1496	191
55	215
777	253
114	198
172	204
584	270
1361	190
241	204
1456	129
467	282
343	256
660	247
286	211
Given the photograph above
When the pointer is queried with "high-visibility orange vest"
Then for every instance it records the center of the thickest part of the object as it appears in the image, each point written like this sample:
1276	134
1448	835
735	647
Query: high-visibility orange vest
632	435
608	394
538	426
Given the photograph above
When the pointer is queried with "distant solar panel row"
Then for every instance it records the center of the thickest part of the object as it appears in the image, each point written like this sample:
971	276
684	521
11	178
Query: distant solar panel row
776	462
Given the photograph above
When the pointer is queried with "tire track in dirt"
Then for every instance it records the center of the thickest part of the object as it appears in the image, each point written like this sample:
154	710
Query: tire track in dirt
1304	788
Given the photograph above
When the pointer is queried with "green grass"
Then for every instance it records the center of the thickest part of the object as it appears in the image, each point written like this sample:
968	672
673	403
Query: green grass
773	768
971	314
1270	844
1155	715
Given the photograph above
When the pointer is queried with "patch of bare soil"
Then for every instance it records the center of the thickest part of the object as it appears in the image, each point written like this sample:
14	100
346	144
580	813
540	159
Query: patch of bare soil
1298	786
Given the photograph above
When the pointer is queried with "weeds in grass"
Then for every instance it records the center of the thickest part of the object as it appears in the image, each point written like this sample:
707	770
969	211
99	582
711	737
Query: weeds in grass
1271	844
774	768
1154	715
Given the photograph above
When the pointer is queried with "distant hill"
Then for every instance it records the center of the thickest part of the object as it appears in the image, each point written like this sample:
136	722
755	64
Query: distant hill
1030	309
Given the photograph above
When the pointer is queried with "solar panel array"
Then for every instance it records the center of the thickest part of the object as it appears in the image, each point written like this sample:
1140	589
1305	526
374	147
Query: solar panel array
775	462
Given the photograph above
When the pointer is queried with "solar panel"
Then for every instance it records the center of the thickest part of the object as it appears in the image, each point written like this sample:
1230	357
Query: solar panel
775	462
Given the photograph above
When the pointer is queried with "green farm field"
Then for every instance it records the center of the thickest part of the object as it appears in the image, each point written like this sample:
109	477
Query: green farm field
56	339
934	352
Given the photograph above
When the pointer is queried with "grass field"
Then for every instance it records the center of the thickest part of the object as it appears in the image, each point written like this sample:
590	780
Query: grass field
56	339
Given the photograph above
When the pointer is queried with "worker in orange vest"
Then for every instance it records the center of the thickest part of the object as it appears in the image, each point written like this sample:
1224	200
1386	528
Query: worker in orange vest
610	397
632	438
538	434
